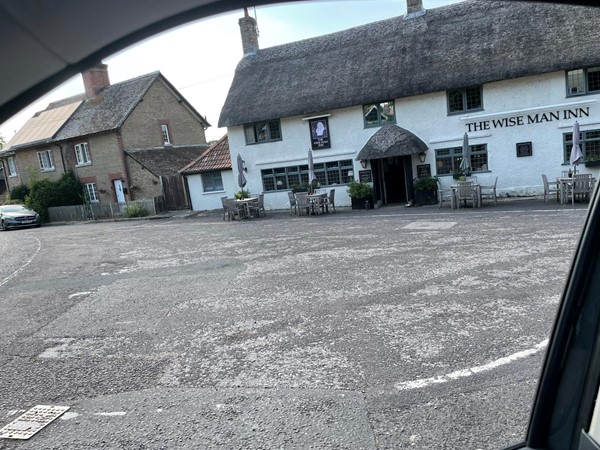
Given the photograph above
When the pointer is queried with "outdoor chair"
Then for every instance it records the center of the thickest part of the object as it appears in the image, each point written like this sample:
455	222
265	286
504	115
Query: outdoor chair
234	209
465	191
303	203
581	187
257	206
293	203
225	210
261	204
550	187
329	201
490	192
444	195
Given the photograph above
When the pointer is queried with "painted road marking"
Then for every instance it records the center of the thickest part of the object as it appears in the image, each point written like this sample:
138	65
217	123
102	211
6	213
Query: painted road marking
429	225
424	382
14	274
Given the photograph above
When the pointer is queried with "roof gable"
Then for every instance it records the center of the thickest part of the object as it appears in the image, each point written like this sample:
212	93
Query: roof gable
467	43
108	109
217	157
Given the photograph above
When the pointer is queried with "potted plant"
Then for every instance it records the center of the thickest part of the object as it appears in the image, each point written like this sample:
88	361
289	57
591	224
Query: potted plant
302	187
240	195
361	195
426	190
592	161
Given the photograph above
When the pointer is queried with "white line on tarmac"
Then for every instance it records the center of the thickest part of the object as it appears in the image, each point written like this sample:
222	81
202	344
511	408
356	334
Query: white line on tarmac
424	382
14	274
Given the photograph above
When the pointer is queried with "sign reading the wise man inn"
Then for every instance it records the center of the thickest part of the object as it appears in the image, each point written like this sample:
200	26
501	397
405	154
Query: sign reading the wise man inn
319	133
528	119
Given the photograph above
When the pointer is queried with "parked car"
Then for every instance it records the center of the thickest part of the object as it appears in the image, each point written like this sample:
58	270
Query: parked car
18	216
566	413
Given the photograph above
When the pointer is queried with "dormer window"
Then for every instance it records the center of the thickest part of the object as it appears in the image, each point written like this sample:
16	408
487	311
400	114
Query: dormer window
165	134
465	100
583	81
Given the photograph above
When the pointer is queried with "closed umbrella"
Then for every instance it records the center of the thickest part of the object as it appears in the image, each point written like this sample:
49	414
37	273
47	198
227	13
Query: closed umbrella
576	155
241	176
311	168
465	164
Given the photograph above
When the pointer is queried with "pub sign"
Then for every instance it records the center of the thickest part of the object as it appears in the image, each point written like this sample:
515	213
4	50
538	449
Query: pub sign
319	133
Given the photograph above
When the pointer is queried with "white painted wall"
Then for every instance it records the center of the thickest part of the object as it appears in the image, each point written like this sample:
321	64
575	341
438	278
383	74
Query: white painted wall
426	116
206	201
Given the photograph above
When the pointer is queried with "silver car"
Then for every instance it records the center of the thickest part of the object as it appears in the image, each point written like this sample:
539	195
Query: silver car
18	216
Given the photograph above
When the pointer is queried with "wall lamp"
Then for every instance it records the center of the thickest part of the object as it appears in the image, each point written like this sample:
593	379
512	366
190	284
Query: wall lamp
363	163
422	157
244	166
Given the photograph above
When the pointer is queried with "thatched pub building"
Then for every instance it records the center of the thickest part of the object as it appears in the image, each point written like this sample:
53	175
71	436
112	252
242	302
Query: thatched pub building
392	100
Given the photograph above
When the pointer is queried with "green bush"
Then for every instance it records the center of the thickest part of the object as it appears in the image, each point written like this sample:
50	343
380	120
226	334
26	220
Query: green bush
45	193
19	193
135	209
428	183
359	190
240	195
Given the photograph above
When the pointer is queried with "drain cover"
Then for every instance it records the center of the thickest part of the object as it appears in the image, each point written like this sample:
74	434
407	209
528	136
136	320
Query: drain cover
25	426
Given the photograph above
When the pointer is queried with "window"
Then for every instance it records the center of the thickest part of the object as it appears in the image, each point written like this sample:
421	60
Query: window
165	134
589	143
463	100
46	161
262	132
212	181
83	154
378	114
285	178
90	192
583	81
447	160
12	168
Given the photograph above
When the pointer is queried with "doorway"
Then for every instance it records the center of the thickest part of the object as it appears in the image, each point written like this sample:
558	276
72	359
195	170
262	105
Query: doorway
118	184
393	176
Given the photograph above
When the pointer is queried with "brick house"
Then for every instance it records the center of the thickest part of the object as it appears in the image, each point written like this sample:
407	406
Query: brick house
121	140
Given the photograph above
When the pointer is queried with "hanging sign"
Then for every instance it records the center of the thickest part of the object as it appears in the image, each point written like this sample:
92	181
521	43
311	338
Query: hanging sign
319	133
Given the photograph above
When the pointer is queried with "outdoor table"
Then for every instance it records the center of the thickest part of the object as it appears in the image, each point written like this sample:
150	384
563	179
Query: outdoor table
246	202
454	200
317	201
563	187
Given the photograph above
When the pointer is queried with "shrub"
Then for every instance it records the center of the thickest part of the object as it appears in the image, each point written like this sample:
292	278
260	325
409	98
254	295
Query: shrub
427	184
45	193
359	190
19	193
135	209
242	194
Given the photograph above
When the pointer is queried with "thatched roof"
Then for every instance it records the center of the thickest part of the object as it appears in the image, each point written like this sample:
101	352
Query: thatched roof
455	46
391	140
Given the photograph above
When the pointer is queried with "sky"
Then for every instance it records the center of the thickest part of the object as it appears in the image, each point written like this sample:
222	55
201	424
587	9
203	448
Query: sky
199	58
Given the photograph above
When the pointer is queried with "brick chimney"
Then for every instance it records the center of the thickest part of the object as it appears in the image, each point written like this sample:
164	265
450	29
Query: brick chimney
249	31
95	79
414	8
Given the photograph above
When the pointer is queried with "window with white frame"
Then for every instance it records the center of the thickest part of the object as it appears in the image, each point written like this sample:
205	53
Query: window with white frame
212	181
90	192
463	100
165	134
82	153
583	81
12	168
45	160
447	160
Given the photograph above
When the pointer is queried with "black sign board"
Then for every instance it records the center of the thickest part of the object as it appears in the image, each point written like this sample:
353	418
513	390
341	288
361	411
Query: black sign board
365	176
319	133
524	149
423	170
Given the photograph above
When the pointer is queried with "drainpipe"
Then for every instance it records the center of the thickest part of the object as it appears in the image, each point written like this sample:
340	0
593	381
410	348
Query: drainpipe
124	168
62	158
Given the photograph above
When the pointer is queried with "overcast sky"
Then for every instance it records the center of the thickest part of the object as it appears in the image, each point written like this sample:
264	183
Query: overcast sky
199	59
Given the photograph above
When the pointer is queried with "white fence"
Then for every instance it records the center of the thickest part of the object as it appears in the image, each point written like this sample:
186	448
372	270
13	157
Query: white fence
95	211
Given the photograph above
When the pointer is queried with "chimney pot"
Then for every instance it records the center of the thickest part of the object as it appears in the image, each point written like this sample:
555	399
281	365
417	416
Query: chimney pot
414	8
249	32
